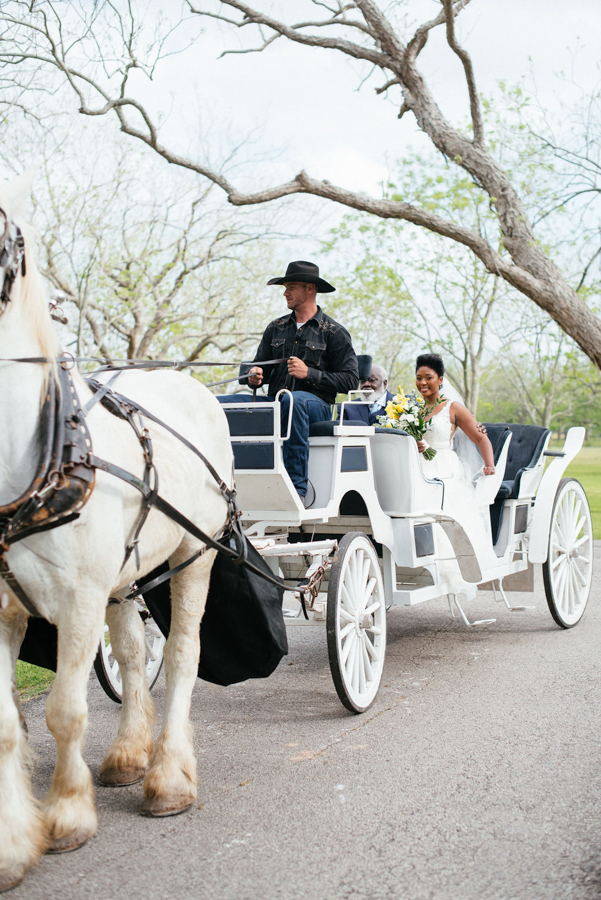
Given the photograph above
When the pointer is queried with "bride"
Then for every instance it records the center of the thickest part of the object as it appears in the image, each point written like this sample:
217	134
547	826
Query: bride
463	452
446	416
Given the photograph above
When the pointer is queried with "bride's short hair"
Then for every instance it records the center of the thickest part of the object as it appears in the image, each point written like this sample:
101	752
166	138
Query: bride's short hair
432	361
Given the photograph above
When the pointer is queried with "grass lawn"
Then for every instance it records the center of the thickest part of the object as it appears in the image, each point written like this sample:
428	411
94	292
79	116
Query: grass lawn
32	681
587	469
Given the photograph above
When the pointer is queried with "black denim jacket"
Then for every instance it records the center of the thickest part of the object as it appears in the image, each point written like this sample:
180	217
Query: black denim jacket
324	346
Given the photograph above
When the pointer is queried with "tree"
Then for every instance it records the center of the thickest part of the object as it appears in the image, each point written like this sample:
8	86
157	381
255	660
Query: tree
141	269
71	38
439	296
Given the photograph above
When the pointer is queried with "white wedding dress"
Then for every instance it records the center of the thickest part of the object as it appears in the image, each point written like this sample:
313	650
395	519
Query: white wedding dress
457	471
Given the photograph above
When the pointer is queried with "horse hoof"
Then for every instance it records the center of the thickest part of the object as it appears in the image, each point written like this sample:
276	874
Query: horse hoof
10	878
67	843
156	807
121	777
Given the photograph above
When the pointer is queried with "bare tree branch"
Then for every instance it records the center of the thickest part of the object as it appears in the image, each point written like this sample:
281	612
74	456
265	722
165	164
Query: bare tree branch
469	73
30	37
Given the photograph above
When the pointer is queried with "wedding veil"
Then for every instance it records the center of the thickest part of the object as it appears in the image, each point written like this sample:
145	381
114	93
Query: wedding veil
468	453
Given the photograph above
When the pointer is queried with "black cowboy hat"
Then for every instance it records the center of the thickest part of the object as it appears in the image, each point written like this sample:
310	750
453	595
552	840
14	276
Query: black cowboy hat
307	272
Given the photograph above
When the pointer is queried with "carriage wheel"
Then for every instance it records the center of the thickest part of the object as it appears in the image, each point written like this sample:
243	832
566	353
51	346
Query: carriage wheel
107	667
356	622
568	572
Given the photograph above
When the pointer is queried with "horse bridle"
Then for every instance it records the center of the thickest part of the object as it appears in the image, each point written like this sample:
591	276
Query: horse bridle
12	257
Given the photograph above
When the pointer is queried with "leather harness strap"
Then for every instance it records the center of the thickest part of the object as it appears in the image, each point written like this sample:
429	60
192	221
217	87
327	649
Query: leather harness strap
63	483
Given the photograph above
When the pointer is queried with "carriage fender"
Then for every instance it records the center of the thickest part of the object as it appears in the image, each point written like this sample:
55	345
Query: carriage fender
540	524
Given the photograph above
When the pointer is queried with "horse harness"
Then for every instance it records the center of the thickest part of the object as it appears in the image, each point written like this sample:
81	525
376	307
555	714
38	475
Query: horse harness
66	474
65	479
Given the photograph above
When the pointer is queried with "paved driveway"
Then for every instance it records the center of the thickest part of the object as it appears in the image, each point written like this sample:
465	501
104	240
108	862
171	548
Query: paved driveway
475	775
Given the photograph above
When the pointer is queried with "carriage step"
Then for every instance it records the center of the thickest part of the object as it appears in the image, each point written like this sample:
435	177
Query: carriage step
505	600
463	615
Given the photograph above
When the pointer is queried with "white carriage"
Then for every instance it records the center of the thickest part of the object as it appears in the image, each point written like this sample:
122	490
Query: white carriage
371	539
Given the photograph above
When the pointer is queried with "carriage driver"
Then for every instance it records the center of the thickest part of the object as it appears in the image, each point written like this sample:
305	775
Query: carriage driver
319	362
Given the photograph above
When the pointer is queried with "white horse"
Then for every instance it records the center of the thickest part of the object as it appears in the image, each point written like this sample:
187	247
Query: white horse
71	571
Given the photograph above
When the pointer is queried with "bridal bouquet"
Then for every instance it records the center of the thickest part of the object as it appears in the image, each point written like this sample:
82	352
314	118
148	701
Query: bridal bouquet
407	411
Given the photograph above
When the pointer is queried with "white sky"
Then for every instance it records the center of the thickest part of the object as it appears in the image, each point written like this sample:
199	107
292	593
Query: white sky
305	108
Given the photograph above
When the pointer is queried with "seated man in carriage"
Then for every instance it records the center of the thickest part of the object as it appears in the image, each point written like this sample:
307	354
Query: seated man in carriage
375	394
318	362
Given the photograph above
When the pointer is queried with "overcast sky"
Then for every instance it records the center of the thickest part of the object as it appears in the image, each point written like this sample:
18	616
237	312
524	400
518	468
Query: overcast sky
306	107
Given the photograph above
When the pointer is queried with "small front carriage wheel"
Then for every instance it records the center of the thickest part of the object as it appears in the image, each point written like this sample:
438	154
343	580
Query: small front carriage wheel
107	667
356	622
568	572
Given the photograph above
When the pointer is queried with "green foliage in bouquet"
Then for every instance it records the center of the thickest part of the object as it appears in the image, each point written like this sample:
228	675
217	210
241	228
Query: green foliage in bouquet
409	411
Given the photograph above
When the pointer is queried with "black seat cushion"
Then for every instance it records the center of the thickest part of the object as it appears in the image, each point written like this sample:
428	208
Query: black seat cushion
242	397
391	431
526	446
496	435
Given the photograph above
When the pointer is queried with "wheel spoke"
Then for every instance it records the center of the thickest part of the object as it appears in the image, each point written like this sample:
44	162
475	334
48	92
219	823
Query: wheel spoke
570	592
347	630
559	590
579	574
366	659
578	528
561	557
355	565
361	668
368	591
354	667
559	527
345	616
371	609
347	647
373	652
582	540
365	573
347	599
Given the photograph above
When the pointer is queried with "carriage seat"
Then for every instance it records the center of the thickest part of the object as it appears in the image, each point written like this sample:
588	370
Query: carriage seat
326	429
242	397
527	444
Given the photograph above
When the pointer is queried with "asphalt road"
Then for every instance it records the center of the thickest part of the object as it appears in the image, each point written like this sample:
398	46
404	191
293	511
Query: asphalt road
476	774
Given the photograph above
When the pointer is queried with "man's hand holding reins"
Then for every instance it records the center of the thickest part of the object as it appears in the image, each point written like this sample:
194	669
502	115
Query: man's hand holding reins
297	368
256	376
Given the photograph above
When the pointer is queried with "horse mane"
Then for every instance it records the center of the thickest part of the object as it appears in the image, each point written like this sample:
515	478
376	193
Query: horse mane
34	298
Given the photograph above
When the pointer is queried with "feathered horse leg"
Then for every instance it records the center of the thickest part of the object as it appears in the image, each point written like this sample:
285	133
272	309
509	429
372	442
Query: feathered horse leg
170	784
127	758
69	805
22	833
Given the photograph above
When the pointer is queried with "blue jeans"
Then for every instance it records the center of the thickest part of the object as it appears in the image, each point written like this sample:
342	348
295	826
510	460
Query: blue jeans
307	409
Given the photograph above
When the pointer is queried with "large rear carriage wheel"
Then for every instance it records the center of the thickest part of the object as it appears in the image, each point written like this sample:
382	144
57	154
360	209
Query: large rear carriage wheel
356	622
107	667
568	572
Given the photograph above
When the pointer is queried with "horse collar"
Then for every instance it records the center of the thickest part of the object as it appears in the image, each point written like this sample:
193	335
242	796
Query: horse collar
63	482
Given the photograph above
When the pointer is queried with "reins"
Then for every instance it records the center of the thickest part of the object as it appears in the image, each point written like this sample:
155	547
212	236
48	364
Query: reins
72	458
